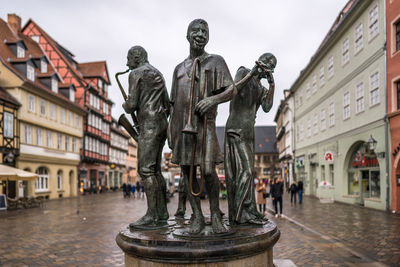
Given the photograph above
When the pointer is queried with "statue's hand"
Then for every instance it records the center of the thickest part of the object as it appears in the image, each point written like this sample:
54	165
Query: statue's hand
204	105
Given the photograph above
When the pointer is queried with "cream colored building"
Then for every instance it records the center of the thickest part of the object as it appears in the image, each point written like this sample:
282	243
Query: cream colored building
50	121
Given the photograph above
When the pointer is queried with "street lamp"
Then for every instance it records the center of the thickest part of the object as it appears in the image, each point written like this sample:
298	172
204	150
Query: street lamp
371	144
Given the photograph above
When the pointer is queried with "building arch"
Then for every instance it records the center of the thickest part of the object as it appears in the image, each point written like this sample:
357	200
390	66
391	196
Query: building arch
71	183
362	175
60	179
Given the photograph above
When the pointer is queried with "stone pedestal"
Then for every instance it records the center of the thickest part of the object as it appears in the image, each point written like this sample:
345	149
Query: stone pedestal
249	245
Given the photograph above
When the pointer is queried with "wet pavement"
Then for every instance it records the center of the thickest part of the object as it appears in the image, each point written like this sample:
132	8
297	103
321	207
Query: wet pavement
81	232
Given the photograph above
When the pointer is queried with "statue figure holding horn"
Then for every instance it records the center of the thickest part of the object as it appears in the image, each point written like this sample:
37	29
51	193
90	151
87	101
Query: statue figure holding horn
200	83
239	138
148	103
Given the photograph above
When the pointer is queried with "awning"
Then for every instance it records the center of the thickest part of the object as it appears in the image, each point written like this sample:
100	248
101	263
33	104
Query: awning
14	174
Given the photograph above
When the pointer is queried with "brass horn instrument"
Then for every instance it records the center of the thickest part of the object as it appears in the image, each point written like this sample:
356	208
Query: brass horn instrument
190	129
123	121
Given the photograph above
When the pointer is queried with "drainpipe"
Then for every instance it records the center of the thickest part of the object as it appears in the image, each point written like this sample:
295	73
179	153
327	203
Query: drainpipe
386	120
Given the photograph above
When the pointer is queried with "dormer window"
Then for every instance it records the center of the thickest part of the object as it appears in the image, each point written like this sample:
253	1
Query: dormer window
72	94
20	51
43	66
30	72
99	83
54	85
36	38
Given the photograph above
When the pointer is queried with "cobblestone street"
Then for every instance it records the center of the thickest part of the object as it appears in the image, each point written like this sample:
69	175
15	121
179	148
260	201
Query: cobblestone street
81	232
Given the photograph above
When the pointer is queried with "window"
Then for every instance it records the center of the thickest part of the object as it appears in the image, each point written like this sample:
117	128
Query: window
309	128
308	94
314	83
39	137
28	137
359	37
66	143
54	85
99	83
30	72
331	114
346	105
323	172
330	67
43	66
398	94
374	89
8	125
71	118
315	123
360	97
373	23
397	32
49	136
73	144
301	132
59	141
31	103
323	120
77	124
332	174
42	107
20	51
42	183
36	38
322	76
72	95
62	115
53	111
59	180
301	99
91	99
345	51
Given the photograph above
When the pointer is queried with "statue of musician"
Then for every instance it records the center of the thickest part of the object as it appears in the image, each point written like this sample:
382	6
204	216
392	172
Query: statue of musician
220	89
148	97
239	138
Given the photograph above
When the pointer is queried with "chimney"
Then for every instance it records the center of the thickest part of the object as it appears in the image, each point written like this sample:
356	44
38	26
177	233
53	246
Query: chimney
15	22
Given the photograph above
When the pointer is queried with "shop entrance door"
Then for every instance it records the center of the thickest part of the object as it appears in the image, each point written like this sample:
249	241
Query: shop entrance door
313	179
364	185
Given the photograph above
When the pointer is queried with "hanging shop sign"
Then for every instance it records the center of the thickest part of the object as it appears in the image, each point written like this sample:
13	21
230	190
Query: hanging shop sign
328	156
300	162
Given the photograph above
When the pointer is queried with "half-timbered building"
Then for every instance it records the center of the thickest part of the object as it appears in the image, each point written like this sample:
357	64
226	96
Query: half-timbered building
88	84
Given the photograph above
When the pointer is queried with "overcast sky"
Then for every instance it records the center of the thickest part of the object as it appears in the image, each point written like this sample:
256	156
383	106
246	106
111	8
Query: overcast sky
240	31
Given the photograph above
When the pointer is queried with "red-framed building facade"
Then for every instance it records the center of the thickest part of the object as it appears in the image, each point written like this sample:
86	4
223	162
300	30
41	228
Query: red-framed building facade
91	81
393	94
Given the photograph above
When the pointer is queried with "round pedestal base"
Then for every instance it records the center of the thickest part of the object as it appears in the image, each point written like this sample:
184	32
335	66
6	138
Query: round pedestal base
249	245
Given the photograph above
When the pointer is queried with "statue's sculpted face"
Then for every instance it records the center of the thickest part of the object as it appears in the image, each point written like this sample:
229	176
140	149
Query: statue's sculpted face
133	59
198	36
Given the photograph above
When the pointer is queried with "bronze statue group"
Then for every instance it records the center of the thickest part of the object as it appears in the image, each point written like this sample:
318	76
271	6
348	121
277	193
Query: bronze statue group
186	119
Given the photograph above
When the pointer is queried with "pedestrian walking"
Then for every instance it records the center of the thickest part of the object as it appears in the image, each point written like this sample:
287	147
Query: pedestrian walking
128	190
300	191
293	192
276	194
133	190
142	190
138	188
124	190
261	201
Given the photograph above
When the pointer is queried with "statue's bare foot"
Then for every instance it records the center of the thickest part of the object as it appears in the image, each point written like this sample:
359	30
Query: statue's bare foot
145	220
217	225
180	213
197	225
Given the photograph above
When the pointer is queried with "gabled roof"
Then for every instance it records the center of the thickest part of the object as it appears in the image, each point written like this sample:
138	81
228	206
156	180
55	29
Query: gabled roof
6	97
94	69
33	50
264	139
63	53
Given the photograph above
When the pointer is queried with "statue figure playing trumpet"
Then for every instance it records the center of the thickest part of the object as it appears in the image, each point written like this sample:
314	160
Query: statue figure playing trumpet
148	103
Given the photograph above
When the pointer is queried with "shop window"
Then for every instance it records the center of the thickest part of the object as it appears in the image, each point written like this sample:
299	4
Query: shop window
332	173
323	173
